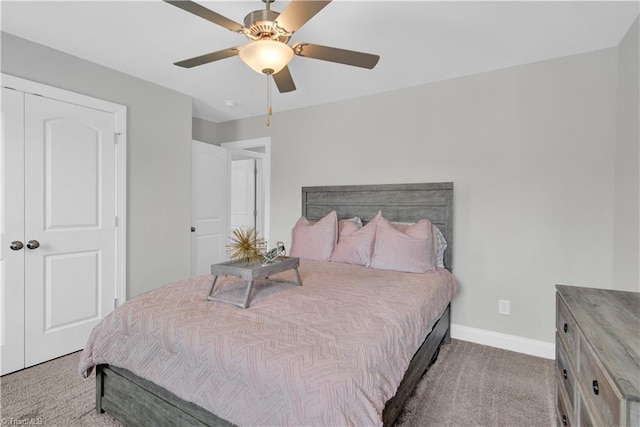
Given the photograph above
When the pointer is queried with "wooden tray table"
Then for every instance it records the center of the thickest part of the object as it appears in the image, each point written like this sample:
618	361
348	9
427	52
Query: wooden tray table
251	272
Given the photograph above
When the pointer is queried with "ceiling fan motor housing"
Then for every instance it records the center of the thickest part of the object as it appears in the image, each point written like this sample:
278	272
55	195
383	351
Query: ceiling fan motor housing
260	25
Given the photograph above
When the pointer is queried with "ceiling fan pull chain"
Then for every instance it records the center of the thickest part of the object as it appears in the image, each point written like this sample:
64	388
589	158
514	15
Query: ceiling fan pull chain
269	109
270	105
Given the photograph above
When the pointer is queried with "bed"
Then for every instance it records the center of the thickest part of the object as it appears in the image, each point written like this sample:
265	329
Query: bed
137	401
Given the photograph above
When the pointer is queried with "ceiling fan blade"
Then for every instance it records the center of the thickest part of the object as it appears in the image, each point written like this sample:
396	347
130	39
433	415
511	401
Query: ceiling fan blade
298	13
209	57
284	81
207	14
333	54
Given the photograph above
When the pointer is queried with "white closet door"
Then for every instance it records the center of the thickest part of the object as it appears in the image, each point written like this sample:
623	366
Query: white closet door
209	206
70	213
12	230
243	193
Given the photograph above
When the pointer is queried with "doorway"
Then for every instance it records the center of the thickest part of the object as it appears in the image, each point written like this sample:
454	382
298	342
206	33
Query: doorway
247	192
212	202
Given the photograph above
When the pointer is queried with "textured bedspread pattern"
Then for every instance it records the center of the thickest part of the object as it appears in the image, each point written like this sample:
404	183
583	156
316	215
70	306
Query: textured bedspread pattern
331	352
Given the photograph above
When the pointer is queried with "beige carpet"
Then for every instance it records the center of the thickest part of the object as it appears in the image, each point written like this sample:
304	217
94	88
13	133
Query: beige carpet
50	394
469	385
475	385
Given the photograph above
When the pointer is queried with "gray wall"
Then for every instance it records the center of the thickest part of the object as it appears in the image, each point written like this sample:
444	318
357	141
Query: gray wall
158	155
626	255
205	131
531	150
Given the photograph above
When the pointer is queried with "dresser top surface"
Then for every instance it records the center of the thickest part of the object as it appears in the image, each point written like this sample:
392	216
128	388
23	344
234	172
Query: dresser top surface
610	321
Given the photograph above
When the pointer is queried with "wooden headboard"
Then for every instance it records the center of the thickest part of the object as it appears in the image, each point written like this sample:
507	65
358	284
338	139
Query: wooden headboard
398	202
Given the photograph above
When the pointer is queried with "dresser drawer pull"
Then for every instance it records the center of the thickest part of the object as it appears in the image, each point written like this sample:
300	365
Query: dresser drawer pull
596	389
564	420
565	328
564	373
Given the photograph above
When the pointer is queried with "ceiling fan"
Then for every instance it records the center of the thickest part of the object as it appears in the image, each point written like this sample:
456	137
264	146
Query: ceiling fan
270	31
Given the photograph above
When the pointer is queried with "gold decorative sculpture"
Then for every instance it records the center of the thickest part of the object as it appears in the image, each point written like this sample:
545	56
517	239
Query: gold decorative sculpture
246	246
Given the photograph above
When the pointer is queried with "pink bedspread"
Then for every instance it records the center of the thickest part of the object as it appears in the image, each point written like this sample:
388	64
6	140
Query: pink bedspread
331	352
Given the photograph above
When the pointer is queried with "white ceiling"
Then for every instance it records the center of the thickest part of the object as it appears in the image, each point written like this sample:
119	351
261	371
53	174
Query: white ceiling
418	42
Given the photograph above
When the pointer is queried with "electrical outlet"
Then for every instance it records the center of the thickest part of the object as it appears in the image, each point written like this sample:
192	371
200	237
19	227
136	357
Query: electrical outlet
504	307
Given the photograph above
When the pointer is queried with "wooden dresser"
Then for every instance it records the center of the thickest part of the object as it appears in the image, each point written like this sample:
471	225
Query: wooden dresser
597	357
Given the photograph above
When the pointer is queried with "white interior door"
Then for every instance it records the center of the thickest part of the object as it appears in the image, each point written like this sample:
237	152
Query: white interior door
12	233
69	225
243	193
209	206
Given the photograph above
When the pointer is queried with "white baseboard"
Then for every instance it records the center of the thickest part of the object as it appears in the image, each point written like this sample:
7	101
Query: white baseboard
543	349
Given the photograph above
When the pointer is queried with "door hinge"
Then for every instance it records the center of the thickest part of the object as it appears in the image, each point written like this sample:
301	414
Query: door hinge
116	137
115	303
116	221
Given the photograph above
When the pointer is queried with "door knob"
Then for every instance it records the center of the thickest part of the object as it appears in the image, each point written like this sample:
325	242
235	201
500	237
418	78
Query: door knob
193	229
33	244
16	245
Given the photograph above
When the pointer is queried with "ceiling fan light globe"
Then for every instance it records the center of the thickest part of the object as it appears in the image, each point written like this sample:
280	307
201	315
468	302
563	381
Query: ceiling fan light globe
269	55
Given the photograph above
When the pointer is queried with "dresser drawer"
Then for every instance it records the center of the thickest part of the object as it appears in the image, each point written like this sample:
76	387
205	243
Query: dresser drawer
585	417
633	413
566	327
598	391
564	408
564	371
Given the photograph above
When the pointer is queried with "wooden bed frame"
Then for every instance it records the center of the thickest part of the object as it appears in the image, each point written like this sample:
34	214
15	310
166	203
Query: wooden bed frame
135	401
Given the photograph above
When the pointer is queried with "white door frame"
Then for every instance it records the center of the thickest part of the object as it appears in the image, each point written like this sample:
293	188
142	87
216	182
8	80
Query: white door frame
264	173
12	227
120	111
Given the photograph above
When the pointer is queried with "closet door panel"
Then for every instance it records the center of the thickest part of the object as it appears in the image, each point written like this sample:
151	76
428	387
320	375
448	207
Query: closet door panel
70	213
12	230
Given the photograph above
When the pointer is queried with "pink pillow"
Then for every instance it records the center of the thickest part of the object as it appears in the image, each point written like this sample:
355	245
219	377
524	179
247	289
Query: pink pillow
439	242
357	247
315	240
348	226
410	250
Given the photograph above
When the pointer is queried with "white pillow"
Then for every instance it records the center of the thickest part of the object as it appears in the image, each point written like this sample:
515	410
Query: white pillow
441	244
